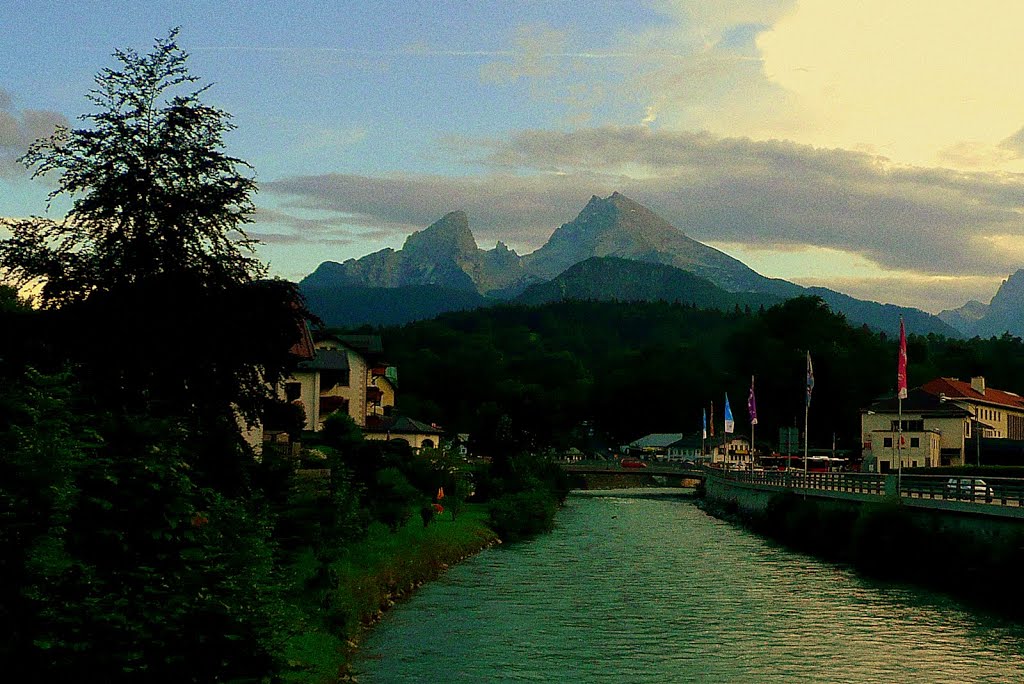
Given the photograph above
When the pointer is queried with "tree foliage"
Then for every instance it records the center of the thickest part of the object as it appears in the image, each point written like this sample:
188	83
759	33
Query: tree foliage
526	378
151	274
154	196
136	538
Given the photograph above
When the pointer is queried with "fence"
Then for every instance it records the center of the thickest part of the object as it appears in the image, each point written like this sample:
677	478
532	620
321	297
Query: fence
1001	491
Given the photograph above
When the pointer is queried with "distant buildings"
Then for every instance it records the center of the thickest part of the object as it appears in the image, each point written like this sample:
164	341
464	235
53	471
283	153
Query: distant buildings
942	421
733	450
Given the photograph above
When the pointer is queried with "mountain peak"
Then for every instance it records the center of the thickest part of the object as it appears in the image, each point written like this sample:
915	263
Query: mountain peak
449	234
1010	294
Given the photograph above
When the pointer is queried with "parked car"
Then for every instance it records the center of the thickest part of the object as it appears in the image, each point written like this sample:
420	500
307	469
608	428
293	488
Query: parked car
630	463
968	488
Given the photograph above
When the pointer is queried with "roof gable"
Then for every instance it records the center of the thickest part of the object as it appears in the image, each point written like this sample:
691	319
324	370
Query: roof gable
327	359
958	389
657	440
919	401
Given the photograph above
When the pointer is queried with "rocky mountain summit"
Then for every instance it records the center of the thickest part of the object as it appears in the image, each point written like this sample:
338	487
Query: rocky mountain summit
443	254
1006	310
1004	314
619	227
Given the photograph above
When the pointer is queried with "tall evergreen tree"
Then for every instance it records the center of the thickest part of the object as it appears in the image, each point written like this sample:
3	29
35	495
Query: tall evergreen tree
154	195
152	274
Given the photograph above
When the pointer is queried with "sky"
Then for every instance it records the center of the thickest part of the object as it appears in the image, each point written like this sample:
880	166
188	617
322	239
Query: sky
874	147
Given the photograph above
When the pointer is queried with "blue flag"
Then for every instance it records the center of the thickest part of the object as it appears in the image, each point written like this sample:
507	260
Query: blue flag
730	424
704	424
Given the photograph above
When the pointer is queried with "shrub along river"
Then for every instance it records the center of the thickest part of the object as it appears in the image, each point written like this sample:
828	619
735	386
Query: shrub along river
635	587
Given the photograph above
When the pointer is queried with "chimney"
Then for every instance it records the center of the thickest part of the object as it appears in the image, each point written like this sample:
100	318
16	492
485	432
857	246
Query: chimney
978	384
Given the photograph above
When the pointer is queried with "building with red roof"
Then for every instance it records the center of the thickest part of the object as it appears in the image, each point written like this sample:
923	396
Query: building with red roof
942	421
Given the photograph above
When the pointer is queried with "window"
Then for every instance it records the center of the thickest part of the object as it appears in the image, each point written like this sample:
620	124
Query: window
908	425
887	442
915	442
292	391
330	379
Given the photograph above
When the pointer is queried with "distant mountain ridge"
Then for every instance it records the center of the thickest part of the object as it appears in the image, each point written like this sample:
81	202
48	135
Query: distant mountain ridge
445	256
624	280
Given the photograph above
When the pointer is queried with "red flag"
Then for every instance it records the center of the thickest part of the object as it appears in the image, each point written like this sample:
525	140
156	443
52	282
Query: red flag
901	372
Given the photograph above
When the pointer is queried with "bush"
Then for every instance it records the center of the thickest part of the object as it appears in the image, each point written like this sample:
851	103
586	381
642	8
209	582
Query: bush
394	498
516	516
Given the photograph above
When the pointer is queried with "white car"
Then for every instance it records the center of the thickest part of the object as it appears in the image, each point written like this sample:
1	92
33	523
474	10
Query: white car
968	488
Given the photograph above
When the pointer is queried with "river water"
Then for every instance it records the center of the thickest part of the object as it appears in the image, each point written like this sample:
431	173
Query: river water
631	588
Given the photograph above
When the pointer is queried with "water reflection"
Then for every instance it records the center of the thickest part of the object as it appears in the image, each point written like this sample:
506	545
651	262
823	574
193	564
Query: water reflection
642	590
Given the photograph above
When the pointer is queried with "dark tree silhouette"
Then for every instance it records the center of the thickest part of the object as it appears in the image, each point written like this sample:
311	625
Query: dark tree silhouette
154	196
153	278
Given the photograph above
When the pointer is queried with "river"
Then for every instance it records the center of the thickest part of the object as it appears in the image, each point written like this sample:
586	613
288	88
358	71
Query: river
634	588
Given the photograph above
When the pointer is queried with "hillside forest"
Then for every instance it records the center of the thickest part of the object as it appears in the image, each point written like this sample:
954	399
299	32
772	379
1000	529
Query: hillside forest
599	374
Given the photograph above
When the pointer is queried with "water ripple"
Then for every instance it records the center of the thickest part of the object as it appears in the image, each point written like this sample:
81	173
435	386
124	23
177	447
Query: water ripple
637	590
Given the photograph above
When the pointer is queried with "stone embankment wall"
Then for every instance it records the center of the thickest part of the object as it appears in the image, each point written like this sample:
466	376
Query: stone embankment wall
968	549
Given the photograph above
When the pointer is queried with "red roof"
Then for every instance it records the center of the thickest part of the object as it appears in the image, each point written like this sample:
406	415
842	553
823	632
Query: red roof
303	348
958	389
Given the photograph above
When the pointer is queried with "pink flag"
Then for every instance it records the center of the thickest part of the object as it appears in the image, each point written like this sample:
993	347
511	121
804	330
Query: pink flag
901	372
751	404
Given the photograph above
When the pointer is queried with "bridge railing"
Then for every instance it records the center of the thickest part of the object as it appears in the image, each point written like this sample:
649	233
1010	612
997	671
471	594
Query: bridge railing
1002	491
858	483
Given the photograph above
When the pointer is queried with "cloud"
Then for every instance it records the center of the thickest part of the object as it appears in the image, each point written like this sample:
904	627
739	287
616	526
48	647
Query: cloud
521	211
932	294
1014	144
909	78
534	56
769	194
19	129
275	227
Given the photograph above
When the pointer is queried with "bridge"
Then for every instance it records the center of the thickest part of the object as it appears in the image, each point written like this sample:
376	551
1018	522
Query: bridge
680	470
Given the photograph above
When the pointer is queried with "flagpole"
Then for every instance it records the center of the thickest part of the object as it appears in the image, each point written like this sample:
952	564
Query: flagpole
752	447
807	409
899	445
807	406
901	392
751	407
703	433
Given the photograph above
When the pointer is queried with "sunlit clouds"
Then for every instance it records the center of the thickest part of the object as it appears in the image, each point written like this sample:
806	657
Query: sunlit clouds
875	145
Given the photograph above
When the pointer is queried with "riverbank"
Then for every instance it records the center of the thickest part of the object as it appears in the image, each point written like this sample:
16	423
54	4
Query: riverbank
368	578
888	541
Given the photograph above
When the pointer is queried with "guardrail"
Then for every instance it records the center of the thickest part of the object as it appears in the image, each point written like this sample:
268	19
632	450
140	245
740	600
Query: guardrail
1003	491
856	483
999	491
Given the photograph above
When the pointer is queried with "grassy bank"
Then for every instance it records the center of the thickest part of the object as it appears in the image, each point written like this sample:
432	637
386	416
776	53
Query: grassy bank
367	577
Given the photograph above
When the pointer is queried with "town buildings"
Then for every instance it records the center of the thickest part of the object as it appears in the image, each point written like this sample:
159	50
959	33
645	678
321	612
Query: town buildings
942	422
349	374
